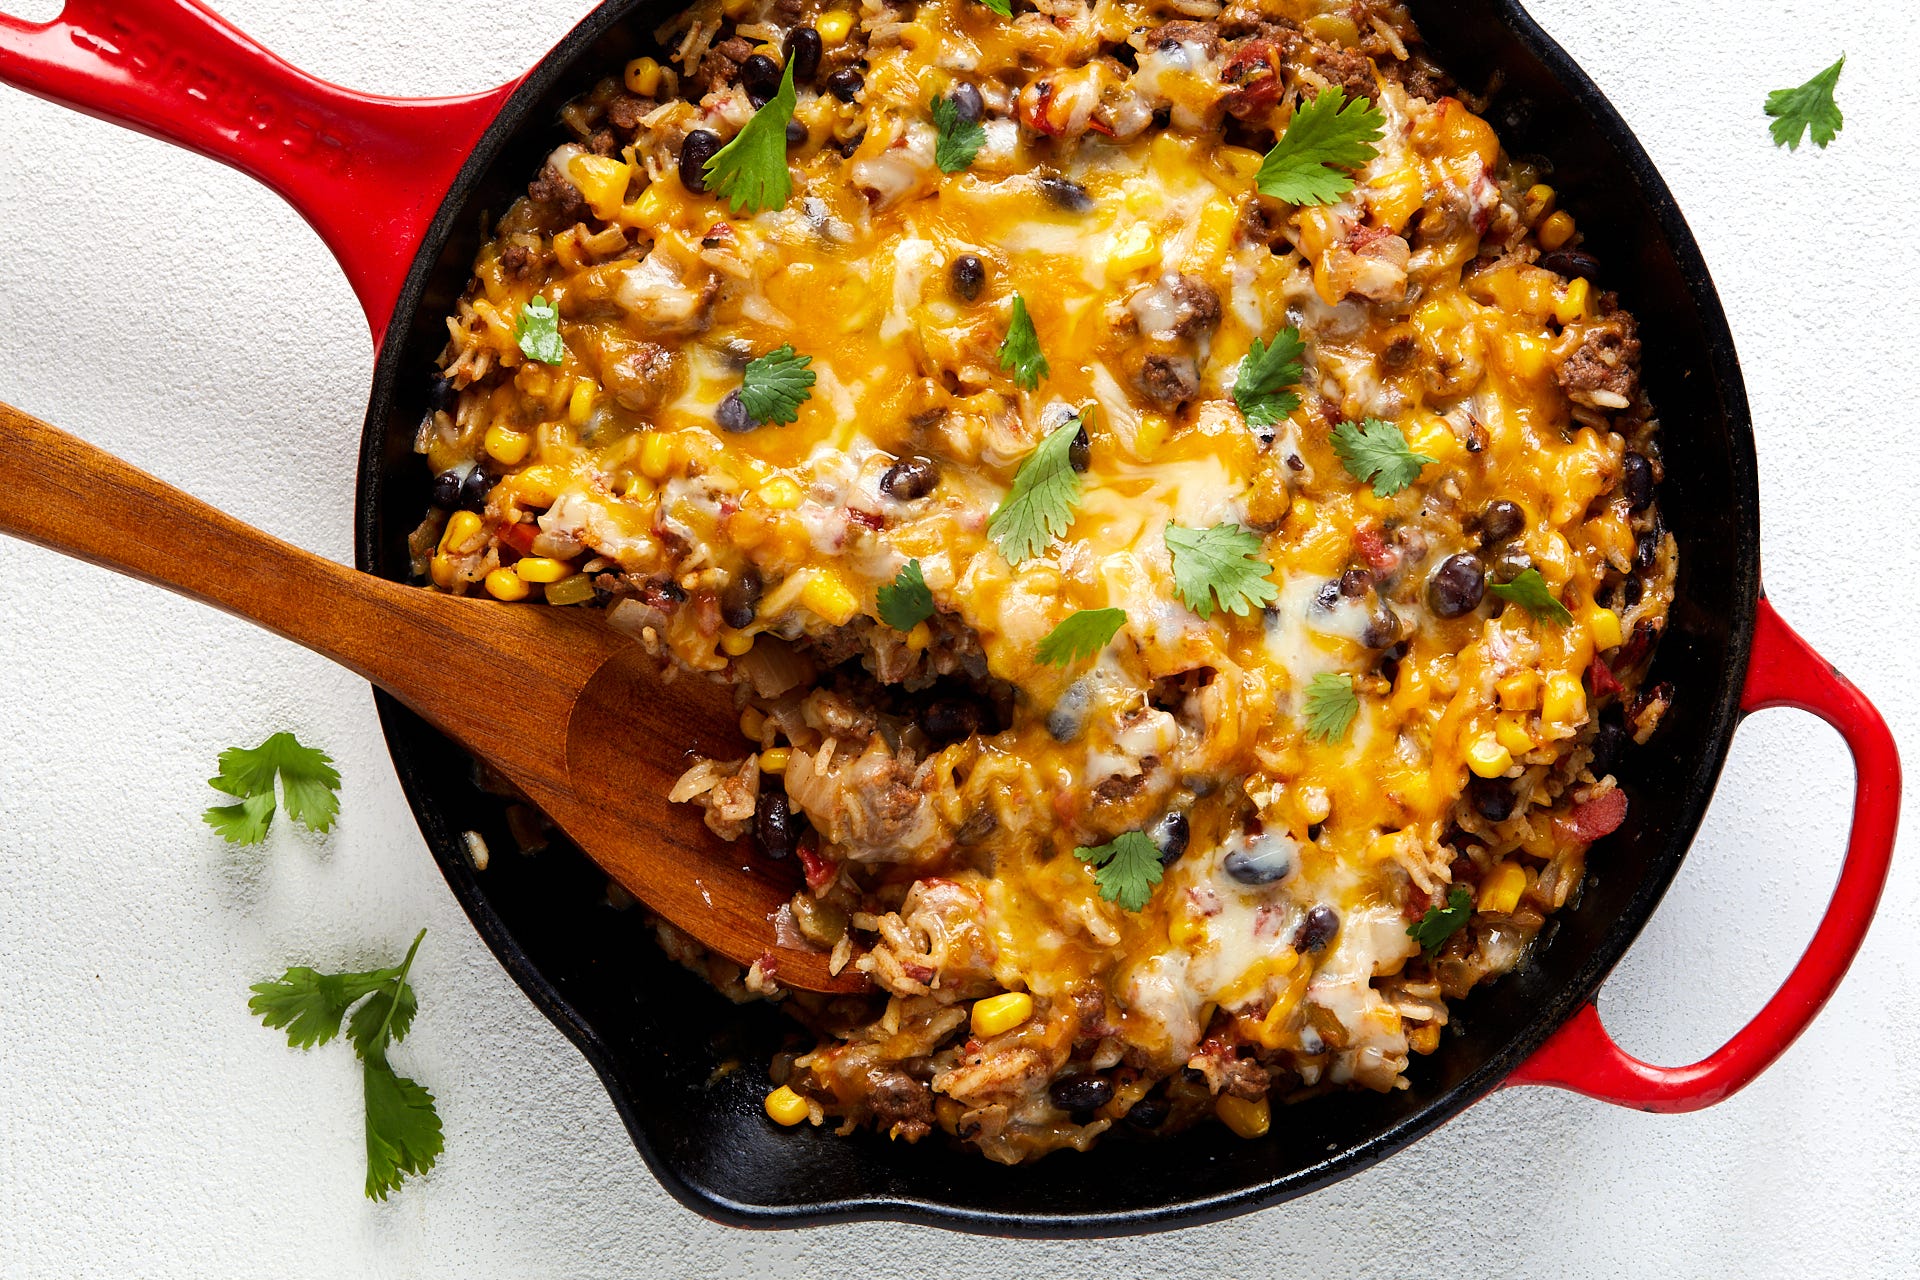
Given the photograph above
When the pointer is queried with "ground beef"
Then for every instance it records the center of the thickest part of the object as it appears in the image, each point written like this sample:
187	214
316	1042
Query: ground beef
1347	70
1244	1078
1204	34
1420	78
517	261
1604	370
627	110
602	142
901	1105
550	189
1168	381
788	10
721	66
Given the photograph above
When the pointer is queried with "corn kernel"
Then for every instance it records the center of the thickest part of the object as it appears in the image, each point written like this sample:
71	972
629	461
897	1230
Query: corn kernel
441	570
649	209
1565	701
1604	625
786	1107
1185	928
1510	731
1520	691
735	643
919	638
602	181
505	584
656	456
774	759
1247	1118
780	493
463	533
834	27
1488	758
537	486
1211	237
1001	1013
1501	890
1150	435
753	722
1556	230
1539	199
736	8
580	403
542	569
1131	249
771	50
1573	303
507	446
829	597
643	77
1242	162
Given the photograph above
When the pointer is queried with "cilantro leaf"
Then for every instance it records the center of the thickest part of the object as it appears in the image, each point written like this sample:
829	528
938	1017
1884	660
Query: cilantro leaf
1378	451
751	170
1081	635
1002	7
1021	350
1039	507
1326	137
1433	929
1331	706
538	332
1811	106
1127	868
1219	564
959	140
1529	590
387	1008
403	1128
905	602
310	1004
1260	387
308	782
774	386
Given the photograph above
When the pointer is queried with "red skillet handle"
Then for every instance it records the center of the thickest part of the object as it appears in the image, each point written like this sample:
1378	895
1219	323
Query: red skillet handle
1783	672
367	172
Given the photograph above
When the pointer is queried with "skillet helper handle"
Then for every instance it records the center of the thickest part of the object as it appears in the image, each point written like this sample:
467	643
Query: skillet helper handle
367	172
1783	671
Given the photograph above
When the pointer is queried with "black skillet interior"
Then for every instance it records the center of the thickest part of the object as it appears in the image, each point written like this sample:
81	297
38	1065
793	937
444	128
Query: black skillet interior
686	1069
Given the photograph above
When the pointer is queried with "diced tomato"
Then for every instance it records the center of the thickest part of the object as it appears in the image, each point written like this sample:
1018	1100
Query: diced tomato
1373	548
519	536
1600	678
769	963
1600	816
819	870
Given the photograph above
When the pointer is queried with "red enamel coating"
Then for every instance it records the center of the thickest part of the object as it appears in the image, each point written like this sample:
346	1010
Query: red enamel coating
368	172
1784	671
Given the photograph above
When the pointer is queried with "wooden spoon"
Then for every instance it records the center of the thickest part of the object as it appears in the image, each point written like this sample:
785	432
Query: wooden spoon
574	713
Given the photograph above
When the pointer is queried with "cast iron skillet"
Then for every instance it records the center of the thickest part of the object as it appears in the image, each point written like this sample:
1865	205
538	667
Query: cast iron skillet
401	189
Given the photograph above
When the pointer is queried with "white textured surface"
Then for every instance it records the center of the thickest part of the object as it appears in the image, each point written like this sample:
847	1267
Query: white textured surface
180	316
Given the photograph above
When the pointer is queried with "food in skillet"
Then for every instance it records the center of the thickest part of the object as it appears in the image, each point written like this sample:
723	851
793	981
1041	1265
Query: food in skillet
1175	510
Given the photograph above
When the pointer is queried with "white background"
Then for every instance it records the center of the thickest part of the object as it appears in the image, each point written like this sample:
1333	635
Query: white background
175	313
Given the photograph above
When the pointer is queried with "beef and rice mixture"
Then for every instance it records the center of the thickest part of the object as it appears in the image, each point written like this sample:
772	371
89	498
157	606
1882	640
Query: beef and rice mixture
1361	793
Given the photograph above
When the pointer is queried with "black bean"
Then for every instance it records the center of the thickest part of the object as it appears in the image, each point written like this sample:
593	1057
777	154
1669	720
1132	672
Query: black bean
474	490
1171	833
1354	583
1499	522
951	719
968	273
1491	798
740	601
1081	1093
1080	452
760	77
1608	739
1317	930
1510	564
1636	481
1069	715
1456	587
802	47
910	479
1646	550
967	104
1382	629
443	396
846	84
695	150
732	415
1571	263
1265	862
1328	595
796	134
1631	590
1065	193
446	490
773	821
1149	1113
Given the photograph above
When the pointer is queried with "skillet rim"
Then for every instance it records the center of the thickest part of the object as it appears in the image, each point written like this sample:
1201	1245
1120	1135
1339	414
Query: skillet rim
398	724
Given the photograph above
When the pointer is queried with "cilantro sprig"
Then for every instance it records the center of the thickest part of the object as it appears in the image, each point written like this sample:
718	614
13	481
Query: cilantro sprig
1081	635
1808	107
1378	451
308	783
905	602
1039	507
1126	869
1530	591
751	170
1020	352
538	332
958	141
1219	567
1002	7
1262	385
774	386
1326	139
1433	929
402	1125
1331	706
